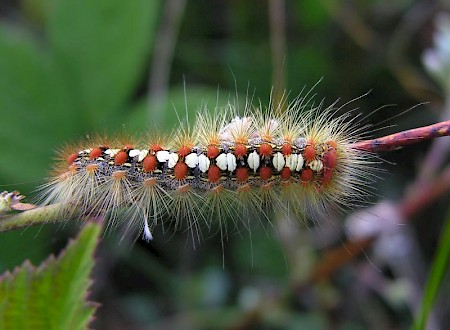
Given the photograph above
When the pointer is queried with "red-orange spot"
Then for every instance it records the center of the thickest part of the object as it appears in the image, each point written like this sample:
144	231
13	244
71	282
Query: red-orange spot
286	149
332	144
184	151
149	164
240	150
307	175
285	174
212	152
95	153
150	182
154	148
213	173
241	174
265	173
128	146
265	149
120	158
329	159
180	170
327	175
72	158
310	153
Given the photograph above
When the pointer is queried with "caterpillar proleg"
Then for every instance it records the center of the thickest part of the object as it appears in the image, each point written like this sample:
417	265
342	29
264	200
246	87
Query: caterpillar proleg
225	169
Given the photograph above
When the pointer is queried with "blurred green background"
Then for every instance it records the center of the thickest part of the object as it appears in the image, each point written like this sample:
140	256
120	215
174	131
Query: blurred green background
70	68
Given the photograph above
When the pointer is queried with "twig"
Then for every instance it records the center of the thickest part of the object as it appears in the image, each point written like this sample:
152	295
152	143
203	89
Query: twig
277	20
404	138
398	60
336	258
40	215
419	198
437	153
164	47
353	24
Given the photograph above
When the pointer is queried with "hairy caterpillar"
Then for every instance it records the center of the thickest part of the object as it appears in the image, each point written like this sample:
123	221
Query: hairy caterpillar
227	167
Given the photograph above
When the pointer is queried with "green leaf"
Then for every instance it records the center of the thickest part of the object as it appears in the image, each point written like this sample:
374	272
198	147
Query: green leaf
437	273
52	296
37	112
102	47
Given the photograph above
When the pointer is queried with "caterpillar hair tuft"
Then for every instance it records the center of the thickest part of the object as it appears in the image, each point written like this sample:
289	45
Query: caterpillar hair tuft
297	158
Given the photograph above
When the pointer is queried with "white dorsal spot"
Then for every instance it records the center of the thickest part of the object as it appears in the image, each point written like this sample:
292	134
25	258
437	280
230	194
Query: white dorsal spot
173	159
253	161
162	156
133	153
112	152
191	160
203	163
278	161
231	162
300	163
221	162
316	165
291	161
142	155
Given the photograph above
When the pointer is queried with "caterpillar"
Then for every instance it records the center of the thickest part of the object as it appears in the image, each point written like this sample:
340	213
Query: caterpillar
296	158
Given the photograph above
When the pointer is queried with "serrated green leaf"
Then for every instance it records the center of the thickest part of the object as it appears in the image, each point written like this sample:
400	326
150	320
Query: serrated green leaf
102	46
52	296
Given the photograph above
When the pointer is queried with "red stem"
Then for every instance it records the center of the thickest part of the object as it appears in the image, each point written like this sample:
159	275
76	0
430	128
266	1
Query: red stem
404	138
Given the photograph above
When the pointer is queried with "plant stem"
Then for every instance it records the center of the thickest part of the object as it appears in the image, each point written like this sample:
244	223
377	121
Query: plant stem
404	138
40	215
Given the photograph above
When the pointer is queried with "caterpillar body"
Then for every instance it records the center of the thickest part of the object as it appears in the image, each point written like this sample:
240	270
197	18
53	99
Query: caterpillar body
227	168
